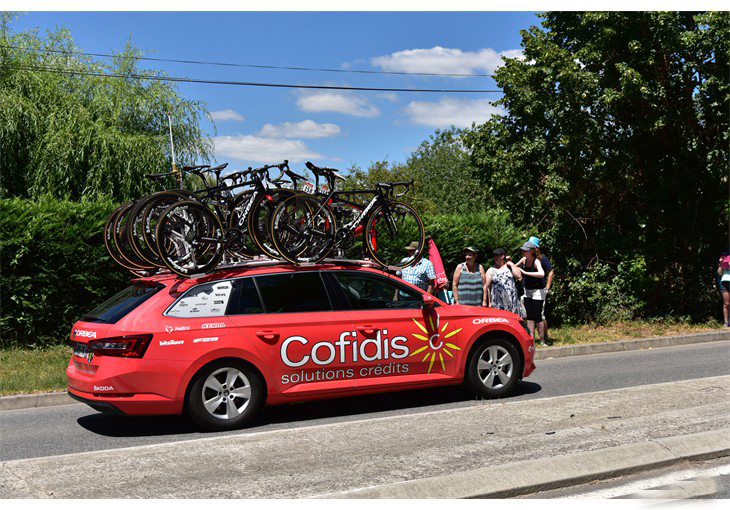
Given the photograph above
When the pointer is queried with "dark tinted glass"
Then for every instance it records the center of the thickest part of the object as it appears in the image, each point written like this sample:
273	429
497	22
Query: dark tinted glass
293	292
369	292
247	298
114	309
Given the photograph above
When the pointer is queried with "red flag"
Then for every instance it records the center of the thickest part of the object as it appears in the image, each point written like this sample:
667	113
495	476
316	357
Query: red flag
442	282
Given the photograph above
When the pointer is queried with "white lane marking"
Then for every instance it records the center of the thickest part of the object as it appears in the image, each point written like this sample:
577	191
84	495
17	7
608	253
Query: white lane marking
669	478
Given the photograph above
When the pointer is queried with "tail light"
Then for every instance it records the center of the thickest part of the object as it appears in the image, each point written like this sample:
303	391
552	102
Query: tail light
130	346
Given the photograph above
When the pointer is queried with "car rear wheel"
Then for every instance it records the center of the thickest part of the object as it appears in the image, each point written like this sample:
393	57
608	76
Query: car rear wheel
494	369
225	395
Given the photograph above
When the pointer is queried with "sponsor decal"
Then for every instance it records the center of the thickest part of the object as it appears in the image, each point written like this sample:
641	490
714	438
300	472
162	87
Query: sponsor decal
183	304
489	320
324	353
212	310
212	325
221	294
435	342
218	302
103	388
170	329
171	342
84	334
209	339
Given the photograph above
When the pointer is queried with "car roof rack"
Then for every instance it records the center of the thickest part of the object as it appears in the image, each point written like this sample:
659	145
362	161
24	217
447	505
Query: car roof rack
277	262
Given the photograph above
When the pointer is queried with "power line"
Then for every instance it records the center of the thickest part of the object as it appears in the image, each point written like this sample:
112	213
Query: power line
255	66
242	83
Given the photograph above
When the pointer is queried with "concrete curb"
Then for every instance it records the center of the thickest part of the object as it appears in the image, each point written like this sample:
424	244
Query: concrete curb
631	345
37	400
554	472
15	402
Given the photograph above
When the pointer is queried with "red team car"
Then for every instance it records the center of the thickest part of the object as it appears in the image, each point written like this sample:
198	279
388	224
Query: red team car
221	346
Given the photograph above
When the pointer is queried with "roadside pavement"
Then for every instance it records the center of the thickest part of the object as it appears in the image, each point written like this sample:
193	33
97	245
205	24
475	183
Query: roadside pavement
490	449
60	398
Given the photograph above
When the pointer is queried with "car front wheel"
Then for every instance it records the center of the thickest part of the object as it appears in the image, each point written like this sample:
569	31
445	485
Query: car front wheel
225	395
493	369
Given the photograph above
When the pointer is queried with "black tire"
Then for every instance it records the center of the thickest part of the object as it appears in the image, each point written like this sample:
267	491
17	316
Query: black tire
209	403
494	368
144	223
111	247
303	229
260	216
189	238
385	242
119	227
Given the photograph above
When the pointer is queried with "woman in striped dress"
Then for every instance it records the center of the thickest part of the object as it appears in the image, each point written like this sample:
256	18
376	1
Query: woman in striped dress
470	281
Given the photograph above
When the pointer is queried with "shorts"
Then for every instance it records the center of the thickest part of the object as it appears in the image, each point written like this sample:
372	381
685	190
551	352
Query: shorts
533	307
725	286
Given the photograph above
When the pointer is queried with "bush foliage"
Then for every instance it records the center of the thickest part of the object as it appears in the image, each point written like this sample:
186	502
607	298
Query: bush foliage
53	268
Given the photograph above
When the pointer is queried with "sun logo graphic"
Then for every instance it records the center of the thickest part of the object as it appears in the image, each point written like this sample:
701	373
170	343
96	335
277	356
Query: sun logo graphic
435	343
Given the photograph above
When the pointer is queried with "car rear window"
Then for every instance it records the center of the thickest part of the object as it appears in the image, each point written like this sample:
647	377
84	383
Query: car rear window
112	310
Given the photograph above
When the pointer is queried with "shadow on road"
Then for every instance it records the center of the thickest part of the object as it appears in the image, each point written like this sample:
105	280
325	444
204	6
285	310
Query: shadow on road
305	413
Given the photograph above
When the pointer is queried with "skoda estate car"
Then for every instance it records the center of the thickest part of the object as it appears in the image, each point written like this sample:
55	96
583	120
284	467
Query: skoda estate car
221	346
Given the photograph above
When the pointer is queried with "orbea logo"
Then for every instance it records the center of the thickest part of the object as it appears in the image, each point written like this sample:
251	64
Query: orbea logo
85	334
488	320
171	342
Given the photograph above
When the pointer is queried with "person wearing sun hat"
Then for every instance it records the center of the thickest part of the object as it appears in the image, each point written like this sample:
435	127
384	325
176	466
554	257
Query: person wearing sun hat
548	268
469	285
421	274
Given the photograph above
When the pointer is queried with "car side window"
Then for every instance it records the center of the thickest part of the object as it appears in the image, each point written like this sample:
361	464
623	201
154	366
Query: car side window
293	292
206	300
371	292
246	299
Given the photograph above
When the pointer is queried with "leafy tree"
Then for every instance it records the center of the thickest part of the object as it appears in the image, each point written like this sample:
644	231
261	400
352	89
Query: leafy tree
444	178
615	146
68	132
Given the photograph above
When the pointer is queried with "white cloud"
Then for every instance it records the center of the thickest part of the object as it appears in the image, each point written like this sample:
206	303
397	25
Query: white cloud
443	61
251	148
389	96
303	129
339	102
459	112
222	115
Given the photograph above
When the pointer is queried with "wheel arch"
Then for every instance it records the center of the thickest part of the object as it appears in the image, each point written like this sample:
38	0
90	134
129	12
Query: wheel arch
490	335
189	380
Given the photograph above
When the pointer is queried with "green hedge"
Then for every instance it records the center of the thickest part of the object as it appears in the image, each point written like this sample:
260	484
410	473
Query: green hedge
53	268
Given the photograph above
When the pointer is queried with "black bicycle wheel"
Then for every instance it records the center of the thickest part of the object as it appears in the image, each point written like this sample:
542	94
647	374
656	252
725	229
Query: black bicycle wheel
120	238
189	238
303	229
145	224
389	229
111	246
260	215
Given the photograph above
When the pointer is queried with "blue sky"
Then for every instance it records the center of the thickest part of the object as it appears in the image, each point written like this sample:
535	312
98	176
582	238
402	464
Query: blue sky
331	128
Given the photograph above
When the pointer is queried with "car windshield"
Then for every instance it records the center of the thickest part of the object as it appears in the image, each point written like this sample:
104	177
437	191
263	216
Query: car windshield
112	310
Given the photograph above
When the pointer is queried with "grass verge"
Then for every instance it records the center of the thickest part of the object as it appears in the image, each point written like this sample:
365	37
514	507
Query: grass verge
33	370
24	371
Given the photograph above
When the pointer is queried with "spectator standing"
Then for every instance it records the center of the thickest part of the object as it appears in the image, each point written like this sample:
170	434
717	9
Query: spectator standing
501	287
534	284
422	273
470	282
723	273
548	268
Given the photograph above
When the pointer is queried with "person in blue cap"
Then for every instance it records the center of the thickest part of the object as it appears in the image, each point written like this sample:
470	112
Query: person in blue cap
548	268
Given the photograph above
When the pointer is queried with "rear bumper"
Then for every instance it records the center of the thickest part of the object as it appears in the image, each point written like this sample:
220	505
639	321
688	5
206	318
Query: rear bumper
137	404
102	407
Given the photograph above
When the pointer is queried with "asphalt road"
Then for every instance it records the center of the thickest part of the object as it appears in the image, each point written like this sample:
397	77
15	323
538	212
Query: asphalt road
58	430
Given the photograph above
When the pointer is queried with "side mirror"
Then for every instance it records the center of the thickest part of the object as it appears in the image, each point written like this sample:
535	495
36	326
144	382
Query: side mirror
428	301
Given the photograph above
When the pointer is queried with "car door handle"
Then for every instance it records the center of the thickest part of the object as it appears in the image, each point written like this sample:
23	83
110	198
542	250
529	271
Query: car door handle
368	329
268	336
